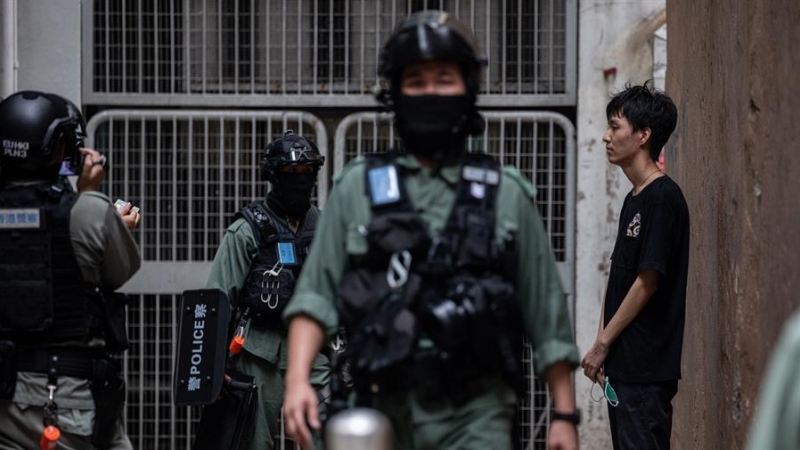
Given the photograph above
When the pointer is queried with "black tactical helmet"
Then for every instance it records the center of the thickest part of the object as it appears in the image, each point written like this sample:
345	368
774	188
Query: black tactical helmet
291	149
33	126
431	36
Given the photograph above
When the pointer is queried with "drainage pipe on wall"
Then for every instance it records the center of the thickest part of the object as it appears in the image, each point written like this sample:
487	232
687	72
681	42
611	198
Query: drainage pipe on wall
8	47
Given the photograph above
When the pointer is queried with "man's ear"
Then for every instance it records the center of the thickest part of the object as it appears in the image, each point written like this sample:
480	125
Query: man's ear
644	136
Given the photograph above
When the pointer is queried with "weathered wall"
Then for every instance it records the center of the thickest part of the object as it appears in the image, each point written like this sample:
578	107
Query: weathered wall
732	70
615	45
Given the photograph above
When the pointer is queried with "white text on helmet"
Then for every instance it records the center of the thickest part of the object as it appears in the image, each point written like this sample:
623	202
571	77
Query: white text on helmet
15	149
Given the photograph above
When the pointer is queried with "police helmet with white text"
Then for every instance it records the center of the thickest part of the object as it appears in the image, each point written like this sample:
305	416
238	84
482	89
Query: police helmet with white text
37	132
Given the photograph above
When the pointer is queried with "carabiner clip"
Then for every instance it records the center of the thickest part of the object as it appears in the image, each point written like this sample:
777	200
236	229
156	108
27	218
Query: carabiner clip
397	272
275	271
270	303
337	344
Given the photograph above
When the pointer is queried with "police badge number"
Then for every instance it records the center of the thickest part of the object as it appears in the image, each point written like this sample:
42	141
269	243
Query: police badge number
384	185
286	253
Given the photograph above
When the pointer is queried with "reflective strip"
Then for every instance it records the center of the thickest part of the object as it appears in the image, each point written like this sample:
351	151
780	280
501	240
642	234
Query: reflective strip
20	219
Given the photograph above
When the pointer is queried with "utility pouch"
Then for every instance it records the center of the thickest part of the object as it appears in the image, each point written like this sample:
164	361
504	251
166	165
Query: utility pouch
8	370
108	392
229	422
115	321
268	295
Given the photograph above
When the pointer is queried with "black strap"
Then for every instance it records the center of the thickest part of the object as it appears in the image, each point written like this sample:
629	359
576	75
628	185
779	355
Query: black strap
260	221
59	362
377	160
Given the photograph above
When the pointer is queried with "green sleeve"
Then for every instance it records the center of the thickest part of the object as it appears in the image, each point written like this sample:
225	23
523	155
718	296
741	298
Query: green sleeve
775	421
233	259
543	303
104	248
327	261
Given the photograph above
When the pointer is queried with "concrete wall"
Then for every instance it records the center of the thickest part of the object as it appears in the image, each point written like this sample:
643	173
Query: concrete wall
49	47
8	47
615	46
733	73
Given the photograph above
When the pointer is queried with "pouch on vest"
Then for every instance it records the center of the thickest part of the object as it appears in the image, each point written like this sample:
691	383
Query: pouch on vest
267	293
202	346
229	422
397	232
115	320
387	334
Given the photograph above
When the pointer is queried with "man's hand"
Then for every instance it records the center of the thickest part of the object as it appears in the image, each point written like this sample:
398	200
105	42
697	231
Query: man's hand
563	436
92	171
300	403
130	217
593	362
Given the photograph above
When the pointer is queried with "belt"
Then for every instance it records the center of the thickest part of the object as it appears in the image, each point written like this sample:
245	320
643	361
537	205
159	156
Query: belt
60	362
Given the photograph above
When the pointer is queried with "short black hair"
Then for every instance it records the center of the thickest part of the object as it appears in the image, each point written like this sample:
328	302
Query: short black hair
646	107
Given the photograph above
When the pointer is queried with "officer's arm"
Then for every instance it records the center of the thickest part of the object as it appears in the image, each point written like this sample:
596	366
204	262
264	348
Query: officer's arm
563	435
306	336
300	399
543	305
121	257
233	259
327	261
560	381
104	248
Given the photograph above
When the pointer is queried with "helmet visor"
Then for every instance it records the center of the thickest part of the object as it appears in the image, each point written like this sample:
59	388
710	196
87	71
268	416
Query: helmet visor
302	155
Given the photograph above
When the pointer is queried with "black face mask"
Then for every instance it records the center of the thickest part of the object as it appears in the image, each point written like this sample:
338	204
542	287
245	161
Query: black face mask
434	127
291	193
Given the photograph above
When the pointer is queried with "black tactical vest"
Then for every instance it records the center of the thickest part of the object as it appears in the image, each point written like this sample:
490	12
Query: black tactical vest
43	297
454	289
270	281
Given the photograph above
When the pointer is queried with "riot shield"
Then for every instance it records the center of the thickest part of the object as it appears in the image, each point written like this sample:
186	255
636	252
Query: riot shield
202	347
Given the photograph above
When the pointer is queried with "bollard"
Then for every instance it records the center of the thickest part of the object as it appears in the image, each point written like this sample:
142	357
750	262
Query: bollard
358	429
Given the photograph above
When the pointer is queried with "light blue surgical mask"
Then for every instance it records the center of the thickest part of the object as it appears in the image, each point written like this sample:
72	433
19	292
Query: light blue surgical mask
608	393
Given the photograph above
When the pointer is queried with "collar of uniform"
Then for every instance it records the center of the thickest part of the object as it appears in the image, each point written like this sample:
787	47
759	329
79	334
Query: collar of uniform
451	173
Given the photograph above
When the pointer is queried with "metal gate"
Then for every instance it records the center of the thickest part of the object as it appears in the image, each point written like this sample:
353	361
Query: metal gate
189	172
542	146
309	53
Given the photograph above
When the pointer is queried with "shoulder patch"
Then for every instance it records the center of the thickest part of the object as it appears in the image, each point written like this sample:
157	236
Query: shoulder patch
513	174
17	218
359	161
237	225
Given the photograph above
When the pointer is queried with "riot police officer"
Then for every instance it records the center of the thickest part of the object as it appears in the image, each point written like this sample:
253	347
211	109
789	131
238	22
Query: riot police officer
62	254
429	258
257	264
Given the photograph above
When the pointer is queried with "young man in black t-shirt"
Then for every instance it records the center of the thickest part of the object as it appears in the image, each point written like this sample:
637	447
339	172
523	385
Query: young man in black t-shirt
638	346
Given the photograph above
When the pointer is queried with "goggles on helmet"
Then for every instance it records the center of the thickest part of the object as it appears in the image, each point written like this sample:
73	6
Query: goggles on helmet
302	155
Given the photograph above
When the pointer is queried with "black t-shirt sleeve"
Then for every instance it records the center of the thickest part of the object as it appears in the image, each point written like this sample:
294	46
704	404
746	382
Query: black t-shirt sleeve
658	226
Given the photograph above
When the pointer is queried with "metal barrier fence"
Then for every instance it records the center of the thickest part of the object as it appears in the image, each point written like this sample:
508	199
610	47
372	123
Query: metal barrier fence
542	146
309	53
189	172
